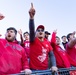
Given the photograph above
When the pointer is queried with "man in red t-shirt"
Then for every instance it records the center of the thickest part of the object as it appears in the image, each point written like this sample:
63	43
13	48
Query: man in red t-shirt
71	45
25	42
12	56
40	48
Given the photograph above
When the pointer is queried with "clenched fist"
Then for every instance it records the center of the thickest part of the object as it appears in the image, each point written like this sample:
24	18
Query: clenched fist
32	11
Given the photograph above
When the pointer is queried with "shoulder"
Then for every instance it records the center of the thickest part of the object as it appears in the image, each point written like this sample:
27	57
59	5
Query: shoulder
3	40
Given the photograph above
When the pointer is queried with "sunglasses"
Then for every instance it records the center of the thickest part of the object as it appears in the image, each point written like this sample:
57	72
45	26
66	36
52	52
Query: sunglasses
40	30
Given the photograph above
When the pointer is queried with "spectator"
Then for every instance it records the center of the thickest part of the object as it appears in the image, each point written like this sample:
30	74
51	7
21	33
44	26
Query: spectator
25	43
12	56
71	45
62	58
47	37
64	41
39	46
47	34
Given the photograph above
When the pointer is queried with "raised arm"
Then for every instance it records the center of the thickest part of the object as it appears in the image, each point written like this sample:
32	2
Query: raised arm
21	37
31	23
53	38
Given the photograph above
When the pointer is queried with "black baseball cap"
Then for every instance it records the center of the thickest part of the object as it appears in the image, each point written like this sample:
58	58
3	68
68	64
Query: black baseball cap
46	32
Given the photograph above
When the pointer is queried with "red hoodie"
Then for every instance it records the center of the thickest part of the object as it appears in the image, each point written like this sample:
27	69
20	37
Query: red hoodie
12	58
62	58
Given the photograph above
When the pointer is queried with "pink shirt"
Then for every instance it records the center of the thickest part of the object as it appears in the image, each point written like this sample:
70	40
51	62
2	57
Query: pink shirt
12	57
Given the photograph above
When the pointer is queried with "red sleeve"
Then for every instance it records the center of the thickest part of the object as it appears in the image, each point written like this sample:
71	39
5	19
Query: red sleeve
53	39
23	44
25	63
50	47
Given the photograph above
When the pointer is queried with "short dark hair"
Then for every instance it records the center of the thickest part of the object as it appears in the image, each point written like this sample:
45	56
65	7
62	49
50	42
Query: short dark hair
68	36
12	28
26	33
63	36
57	37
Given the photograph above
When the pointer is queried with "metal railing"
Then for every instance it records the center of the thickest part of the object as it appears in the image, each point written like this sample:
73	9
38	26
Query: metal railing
61	71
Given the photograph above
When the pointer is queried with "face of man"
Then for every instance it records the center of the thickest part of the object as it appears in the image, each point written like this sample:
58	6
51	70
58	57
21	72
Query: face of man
40	33
58	41
26	36
71	36
64	39
46	36
10	35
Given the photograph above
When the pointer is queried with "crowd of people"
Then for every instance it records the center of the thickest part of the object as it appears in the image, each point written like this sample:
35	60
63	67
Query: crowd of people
34	52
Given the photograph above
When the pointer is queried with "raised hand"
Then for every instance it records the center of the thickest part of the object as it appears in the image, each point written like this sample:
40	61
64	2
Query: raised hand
1	16
32	11
74	32
20	32
55	31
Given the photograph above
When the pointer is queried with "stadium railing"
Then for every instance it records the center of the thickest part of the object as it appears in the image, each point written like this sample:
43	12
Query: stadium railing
61	71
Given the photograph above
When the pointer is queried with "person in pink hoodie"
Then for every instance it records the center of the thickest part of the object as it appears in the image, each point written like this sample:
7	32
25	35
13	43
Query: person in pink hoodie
13	58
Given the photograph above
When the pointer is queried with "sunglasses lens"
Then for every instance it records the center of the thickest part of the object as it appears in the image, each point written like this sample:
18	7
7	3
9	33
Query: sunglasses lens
40	30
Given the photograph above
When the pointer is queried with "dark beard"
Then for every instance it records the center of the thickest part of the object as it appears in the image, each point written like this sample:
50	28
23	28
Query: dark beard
10	40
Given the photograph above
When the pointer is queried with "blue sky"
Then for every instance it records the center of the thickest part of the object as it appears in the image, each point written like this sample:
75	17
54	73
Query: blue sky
53	14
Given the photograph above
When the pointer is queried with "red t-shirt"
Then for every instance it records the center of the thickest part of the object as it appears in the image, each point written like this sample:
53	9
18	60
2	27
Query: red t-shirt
27	47
71	52
39	54
12	57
